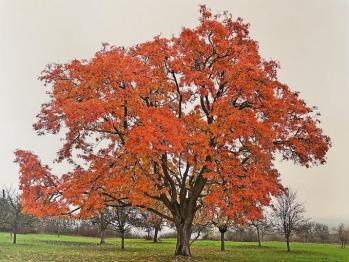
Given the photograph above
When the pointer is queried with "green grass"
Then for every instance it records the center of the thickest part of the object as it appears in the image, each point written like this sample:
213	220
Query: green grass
42	248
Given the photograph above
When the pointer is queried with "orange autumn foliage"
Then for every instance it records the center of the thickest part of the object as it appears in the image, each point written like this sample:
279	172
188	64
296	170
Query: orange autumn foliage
192	120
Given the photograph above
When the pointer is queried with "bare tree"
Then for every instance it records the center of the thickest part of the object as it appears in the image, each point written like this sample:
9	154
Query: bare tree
11	213
343	234
62	224
157	224
150	222
262	226
58	225
198	229
214	216
102	220
222	223
123	220
321	232
288	214
305	231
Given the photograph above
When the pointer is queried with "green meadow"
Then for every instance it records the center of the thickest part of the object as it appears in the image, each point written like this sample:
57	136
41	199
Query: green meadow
42	247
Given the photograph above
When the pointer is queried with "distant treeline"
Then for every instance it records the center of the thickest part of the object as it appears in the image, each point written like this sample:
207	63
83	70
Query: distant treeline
130	222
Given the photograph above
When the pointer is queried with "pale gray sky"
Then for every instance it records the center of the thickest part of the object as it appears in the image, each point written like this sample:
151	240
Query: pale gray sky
309	38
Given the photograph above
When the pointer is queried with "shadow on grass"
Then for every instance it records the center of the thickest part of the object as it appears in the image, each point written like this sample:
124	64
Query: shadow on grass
278	250
161	242
250	247
297	252
69	243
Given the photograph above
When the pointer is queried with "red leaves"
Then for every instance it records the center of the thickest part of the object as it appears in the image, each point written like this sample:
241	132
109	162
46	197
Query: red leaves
40	193
159	132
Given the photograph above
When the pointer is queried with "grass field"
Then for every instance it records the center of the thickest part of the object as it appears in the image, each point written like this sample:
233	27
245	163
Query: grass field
41	248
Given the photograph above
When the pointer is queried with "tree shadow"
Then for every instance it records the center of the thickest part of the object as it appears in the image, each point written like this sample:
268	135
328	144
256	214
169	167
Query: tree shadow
68	243
250	247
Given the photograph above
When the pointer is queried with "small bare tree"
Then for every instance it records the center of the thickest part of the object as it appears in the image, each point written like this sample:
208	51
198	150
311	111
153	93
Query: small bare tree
102	220
222	223
287	214
343	234
11	215
262	226
58	224
124	217
305	231
321	232
150	222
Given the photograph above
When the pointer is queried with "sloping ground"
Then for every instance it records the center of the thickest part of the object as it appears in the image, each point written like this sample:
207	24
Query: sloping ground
42	248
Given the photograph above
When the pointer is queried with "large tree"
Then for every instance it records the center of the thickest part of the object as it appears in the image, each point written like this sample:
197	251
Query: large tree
193	119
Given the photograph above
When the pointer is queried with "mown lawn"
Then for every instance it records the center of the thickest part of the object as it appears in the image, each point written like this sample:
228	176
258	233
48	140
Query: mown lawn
41	248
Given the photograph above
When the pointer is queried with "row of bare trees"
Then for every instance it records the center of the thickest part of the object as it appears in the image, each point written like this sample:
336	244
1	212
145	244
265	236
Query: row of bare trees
122	219
288	217
119	219
284	217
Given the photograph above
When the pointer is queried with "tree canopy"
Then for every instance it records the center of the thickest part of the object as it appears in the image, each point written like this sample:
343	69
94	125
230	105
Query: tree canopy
195	119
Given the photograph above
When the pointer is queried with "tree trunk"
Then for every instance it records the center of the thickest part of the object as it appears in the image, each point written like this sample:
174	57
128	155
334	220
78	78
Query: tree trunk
122	239
288	243
156	230
14	236
102	235
148	234
183	238
222	240
259	237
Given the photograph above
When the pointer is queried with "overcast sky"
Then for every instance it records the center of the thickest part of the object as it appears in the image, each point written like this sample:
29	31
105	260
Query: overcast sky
310	39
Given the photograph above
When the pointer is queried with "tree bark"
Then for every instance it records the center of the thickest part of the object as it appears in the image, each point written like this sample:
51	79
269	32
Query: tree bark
156	231
222	229
122	239
102	235
14	236
259	237
288	243
183	238
222	240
